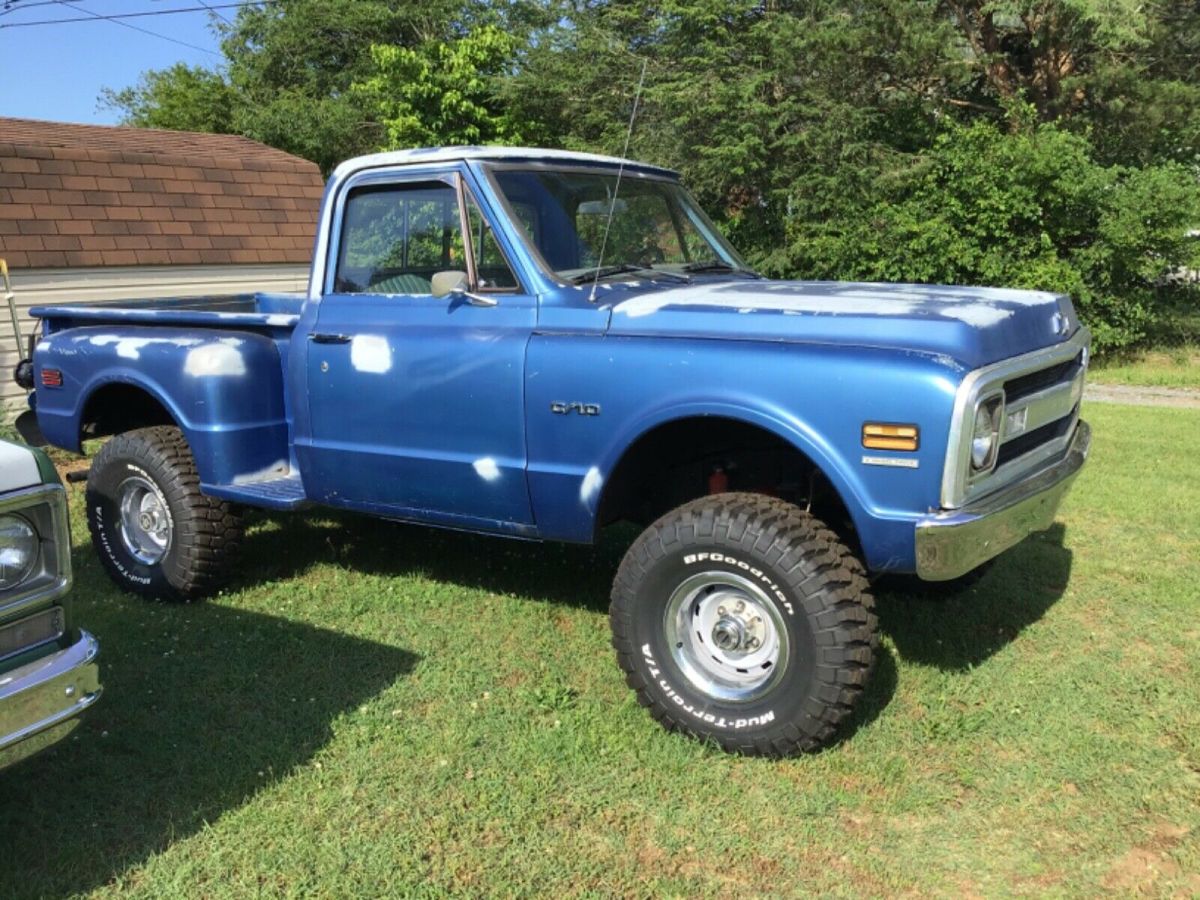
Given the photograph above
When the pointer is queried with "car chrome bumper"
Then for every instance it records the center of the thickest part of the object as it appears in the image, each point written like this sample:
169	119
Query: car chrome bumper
40	696
952	543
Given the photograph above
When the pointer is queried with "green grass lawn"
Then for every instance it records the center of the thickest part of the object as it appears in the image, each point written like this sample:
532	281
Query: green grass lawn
382	710
1178	367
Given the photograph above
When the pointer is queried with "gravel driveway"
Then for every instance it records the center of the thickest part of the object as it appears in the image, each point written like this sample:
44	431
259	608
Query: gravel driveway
1142	396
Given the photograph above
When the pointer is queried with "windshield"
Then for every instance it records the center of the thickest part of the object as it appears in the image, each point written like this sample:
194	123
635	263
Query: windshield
656	226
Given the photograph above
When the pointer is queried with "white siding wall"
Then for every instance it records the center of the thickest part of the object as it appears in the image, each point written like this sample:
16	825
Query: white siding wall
39	287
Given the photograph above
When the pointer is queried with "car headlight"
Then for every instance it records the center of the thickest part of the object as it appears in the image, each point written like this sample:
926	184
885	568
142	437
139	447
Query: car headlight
985	438
19	548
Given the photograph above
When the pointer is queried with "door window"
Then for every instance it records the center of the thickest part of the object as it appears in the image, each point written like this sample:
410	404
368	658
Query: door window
395	237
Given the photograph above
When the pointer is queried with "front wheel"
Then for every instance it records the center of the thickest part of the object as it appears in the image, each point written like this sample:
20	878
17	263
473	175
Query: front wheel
743	619
155	532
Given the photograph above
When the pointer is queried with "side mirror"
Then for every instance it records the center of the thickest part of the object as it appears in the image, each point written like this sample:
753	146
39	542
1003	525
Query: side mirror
453	283
444	284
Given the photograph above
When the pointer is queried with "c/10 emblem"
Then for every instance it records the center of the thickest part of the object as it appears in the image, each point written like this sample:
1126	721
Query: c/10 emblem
583	409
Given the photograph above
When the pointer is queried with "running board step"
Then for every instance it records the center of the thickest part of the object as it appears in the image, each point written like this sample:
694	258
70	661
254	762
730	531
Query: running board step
273	493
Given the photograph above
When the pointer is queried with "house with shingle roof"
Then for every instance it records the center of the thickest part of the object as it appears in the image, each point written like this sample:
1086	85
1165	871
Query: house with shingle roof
91	213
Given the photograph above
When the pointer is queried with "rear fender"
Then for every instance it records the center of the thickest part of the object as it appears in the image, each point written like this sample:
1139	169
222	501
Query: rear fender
223	389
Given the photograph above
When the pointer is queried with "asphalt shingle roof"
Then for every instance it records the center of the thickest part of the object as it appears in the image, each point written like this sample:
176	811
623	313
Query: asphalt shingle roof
91	195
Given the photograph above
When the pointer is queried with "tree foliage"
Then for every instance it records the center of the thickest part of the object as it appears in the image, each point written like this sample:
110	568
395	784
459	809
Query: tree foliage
292	65
1031	209
1041	143
439	93
180	98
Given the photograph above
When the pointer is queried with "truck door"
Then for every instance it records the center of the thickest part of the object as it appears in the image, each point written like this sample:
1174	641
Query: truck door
416	402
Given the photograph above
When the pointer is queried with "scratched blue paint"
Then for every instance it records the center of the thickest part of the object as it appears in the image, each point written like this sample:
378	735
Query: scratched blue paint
437	411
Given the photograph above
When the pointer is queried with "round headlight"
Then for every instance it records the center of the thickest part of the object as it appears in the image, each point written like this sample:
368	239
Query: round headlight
986	436
18	551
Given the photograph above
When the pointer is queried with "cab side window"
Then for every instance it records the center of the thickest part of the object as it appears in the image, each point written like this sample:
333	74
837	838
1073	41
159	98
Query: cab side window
395	237
490	265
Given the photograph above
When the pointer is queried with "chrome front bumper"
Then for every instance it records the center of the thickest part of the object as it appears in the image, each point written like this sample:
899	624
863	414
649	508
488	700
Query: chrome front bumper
952	543
39	700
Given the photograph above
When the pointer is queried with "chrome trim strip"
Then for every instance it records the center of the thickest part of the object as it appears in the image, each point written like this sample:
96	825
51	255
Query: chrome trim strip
957	487
47	692
952	543
892	462
55	497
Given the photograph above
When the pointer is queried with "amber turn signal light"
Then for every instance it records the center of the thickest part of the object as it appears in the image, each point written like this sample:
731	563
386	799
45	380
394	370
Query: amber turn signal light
881	436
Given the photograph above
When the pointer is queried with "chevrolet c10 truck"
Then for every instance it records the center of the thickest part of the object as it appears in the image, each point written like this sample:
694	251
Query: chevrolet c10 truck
535	344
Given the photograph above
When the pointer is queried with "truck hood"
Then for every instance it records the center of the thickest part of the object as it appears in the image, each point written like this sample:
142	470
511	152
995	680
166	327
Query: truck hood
974	326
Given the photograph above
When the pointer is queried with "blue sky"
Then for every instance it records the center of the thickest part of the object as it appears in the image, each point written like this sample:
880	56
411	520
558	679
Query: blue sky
57	71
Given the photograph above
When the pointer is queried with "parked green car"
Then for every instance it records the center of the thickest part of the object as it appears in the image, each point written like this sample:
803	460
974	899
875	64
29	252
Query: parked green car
48	671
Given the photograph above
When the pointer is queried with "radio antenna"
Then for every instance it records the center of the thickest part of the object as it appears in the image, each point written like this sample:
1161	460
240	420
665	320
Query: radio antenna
612	205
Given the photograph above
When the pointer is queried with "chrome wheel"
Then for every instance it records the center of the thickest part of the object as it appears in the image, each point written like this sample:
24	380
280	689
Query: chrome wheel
726	636
145	520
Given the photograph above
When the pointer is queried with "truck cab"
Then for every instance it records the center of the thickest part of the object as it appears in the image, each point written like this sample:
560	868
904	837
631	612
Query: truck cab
535	344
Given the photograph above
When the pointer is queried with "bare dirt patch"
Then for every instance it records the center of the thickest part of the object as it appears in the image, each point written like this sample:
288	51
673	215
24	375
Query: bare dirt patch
1180	398
1144	864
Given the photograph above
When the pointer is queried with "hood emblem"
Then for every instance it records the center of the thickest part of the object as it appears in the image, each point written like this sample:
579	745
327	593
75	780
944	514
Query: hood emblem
1060	324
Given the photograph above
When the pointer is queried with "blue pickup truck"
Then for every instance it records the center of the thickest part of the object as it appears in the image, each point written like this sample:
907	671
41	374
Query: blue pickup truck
535	344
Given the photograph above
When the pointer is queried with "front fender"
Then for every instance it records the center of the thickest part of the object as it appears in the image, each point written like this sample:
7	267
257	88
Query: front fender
223	389
815	398
784	424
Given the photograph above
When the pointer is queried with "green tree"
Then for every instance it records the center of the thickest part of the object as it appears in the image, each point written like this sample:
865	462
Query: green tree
834	138
1006	141
1029	209
1122	71
181	98
290	67
292	64
438	92
761	105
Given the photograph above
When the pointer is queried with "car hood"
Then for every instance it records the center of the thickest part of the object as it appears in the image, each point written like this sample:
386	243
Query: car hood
974	326
18	467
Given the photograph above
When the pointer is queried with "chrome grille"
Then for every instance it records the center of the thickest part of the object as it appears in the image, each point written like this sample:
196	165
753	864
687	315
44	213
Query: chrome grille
1016	447
1022	386
1042	391
1052	401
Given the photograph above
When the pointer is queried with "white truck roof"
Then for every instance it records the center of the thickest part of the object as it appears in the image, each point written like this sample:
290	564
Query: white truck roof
446	154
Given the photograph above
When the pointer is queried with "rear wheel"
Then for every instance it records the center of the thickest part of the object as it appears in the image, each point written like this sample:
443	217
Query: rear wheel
155	532
743	619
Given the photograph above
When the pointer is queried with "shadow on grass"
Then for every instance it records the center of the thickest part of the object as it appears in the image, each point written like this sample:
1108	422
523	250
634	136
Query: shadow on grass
546	573
203	708
953	634
959	632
